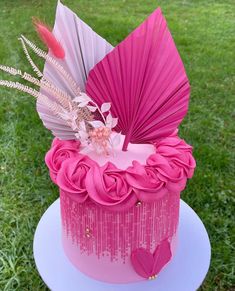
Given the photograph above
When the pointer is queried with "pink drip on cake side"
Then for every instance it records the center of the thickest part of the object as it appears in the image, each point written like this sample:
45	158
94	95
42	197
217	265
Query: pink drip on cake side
95	238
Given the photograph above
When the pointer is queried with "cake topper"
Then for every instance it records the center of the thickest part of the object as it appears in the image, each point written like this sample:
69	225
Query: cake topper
85	82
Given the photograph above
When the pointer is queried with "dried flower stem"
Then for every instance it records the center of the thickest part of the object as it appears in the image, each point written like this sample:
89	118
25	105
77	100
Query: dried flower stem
20	87
10	70
30	79
62	97
54	107
54	63
58	102
34	67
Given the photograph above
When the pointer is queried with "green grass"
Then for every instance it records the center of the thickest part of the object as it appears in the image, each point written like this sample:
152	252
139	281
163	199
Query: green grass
204	31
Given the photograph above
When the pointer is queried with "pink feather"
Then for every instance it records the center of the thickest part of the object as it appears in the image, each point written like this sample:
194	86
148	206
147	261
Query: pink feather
49	39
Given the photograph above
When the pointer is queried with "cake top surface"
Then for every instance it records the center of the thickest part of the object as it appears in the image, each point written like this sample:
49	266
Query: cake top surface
121	159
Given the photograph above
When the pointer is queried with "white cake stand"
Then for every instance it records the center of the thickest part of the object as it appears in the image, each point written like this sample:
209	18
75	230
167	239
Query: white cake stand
185	272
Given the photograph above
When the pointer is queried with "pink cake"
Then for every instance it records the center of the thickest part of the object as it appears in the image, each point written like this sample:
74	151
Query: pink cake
116	157
120	213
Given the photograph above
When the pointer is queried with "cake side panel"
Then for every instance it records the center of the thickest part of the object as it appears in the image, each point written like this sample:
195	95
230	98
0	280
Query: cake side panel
99	242
102	269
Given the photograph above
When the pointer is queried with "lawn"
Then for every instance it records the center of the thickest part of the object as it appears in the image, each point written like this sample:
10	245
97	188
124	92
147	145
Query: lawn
204	31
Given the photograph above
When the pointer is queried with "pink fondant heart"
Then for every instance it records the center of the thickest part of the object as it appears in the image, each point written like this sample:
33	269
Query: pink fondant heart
147	264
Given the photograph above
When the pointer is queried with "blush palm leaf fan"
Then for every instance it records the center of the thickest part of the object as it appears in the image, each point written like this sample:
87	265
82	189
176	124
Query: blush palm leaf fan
145	81
83	49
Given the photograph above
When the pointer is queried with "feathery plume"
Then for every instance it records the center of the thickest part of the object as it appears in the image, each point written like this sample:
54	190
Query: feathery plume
48	38
54	63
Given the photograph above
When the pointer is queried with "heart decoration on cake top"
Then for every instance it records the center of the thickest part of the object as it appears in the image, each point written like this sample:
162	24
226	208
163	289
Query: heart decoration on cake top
148	265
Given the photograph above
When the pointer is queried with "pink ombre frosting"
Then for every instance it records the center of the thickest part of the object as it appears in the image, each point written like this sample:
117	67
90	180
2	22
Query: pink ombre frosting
166	168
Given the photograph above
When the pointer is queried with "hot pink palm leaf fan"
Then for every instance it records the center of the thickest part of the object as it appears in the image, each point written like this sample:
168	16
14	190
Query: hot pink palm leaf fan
145	81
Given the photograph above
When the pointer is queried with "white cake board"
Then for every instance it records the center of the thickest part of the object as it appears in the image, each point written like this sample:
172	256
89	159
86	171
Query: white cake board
185	272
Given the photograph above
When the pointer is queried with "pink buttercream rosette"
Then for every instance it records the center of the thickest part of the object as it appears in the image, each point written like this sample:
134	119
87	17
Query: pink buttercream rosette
82	178
60	151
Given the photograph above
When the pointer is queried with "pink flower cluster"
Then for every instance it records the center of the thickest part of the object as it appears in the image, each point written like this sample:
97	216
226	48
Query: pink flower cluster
80	177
